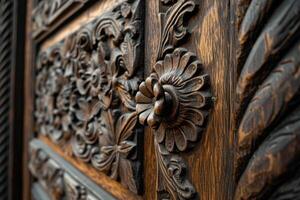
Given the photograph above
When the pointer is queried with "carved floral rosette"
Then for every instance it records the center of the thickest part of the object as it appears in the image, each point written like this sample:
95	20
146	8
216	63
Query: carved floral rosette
174	101
85	92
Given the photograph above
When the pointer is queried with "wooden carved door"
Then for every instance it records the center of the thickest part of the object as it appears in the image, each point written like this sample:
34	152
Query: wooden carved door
162	99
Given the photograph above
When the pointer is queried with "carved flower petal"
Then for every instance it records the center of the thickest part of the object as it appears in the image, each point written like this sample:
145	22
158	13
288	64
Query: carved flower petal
142	99
197	116
191	85
190	70
142	107
169	142
153	120
143	116
180	139
177	54
160	133
144	90
159	68
189	130
150	81
168	63
159	106
186	59
195	100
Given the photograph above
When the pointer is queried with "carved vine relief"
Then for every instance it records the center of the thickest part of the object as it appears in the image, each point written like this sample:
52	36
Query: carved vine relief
174	102
268	119
85	93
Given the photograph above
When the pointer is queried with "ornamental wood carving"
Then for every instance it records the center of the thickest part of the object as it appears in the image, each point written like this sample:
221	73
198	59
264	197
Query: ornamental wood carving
58	178
268	148
174	101
85	93
50	13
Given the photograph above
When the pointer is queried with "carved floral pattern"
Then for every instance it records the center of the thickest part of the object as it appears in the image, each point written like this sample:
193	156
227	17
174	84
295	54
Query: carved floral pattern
85	92
174	101
175	86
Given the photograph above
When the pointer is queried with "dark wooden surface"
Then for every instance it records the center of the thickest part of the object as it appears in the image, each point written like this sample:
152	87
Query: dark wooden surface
247	147
11	104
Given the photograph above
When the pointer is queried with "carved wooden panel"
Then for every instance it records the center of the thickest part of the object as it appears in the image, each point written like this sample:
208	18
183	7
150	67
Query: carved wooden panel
268	119
85	93
59	178
174	101
48	14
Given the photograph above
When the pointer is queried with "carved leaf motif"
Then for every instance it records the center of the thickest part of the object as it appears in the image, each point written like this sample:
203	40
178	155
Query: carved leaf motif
89	82
113	155
268	91
172	26
174	101
174	184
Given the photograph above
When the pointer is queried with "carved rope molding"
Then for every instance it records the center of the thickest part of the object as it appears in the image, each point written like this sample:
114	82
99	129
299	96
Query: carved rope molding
174	101
85	93
50	13
268	125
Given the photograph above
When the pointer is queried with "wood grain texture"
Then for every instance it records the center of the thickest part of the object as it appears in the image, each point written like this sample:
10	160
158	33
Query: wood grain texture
268	97
28	101
174	101
212	161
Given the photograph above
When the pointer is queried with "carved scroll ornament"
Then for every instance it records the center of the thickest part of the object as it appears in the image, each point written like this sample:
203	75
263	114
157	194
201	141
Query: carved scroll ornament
268	89
173	101
85	93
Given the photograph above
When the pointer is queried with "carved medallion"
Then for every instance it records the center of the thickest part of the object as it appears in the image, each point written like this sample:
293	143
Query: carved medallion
174	102
85	93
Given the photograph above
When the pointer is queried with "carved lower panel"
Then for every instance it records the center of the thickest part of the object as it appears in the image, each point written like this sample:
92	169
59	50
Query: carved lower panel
268	101
174	101
50	13
85	93
59	179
